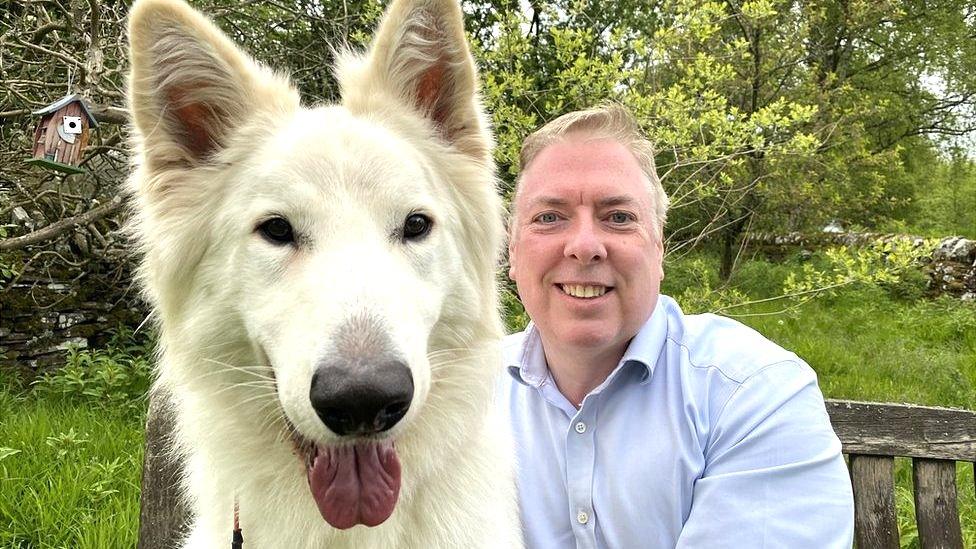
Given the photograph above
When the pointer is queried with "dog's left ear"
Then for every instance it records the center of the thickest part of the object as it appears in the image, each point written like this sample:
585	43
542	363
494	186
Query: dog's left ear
420	59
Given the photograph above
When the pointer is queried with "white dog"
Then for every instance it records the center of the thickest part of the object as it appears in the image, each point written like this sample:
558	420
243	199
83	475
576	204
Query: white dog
324	283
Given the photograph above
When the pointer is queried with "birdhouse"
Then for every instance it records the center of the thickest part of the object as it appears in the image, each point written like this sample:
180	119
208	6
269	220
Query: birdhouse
62	134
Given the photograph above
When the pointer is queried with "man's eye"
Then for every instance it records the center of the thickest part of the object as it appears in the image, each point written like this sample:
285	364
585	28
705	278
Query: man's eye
619	218
547	218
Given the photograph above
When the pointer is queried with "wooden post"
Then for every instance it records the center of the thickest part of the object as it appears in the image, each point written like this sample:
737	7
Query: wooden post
935	504
162	518
875	523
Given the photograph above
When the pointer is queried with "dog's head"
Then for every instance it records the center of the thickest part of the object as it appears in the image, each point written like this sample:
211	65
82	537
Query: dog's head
325	251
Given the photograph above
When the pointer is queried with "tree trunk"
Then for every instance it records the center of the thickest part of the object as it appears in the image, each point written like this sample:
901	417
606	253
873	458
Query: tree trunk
729	237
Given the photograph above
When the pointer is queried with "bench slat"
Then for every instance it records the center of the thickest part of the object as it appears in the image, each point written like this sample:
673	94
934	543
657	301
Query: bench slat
935	504
875	523
904	430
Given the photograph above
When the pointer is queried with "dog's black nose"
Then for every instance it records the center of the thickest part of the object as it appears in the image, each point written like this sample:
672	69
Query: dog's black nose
361	399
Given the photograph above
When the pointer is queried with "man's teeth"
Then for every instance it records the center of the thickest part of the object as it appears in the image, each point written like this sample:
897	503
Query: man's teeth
579	290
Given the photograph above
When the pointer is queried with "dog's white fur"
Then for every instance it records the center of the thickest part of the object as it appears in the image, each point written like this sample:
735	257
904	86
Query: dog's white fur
222	143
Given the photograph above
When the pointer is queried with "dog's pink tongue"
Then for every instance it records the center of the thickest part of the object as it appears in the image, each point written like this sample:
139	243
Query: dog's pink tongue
356	484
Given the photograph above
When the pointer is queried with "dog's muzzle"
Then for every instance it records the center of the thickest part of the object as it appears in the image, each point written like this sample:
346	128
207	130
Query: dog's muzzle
358	482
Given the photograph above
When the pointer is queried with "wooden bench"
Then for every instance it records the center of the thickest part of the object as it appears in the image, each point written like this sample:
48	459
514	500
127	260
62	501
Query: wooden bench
872	436
935	438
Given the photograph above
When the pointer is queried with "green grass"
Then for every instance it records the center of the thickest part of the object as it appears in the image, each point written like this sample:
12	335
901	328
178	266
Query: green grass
867	344
881	350
71	447
69	472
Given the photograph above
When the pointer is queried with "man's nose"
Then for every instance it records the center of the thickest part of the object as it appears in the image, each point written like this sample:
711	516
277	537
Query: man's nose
585	243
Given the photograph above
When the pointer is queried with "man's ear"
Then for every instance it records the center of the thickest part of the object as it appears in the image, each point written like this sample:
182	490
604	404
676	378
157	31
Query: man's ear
420	60
512	252
190	87
661	249
511	268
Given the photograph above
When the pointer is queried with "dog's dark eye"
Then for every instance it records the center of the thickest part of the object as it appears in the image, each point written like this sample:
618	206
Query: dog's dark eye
416	226
277	230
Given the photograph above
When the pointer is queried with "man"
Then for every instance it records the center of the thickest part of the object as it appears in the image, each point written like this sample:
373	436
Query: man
636	425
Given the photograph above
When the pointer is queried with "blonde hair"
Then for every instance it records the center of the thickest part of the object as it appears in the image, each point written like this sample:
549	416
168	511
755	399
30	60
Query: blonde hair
606	121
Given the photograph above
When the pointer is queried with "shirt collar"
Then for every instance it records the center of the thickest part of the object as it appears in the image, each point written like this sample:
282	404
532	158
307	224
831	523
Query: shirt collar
647	345
530	368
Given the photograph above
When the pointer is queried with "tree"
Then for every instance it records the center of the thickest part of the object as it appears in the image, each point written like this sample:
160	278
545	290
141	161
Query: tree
50	48
768	114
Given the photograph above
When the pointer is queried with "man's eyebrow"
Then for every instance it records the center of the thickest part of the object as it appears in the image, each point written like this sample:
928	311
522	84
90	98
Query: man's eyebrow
618	200
608	202
549	201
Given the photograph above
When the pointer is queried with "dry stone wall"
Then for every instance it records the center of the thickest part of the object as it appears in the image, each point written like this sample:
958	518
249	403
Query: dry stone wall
42	313
951	268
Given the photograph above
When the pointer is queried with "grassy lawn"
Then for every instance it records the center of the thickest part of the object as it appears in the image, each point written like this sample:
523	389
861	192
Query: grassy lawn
69	472
884	350
867	343
71	448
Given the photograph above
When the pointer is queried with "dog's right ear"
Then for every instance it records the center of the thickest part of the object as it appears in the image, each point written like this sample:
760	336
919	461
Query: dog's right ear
190	87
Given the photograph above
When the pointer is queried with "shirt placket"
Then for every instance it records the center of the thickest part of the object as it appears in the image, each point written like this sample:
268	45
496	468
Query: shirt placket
580	454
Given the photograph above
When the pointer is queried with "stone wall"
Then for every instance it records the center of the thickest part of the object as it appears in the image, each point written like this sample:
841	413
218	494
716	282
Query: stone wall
43	312
951	268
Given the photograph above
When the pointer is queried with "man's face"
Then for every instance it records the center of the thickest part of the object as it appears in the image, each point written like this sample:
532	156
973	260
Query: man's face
584	254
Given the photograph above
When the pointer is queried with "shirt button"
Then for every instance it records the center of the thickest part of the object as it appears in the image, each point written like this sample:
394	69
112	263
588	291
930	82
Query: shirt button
582	517
580	427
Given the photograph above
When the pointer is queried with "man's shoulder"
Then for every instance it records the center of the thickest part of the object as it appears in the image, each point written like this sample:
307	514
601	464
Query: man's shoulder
737	351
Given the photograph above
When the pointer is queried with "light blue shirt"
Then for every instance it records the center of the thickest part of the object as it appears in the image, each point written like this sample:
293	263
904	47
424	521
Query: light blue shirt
705	435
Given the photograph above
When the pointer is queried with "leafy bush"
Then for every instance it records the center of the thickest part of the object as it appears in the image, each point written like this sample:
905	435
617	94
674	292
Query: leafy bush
116	377
514	314
891	264
702	290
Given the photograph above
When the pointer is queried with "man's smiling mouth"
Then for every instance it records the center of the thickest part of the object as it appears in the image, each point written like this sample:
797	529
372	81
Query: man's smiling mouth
584	291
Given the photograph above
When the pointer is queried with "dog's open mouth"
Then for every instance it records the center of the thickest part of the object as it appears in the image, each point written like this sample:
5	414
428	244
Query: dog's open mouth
356	483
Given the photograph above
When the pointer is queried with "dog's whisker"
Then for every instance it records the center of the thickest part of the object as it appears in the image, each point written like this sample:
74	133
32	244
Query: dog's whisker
235	406
271	397
272	414
225	384
472	350
471	360
242	369
459	338
471	353
268	387
227	368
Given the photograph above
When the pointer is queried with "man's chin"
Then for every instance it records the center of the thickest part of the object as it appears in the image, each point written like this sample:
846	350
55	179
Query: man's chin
589	338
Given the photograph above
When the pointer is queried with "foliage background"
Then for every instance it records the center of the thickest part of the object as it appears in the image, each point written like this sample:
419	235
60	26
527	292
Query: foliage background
768	116
771	115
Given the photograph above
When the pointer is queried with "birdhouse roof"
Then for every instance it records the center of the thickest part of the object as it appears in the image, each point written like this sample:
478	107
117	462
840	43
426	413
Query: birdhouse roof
65	101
